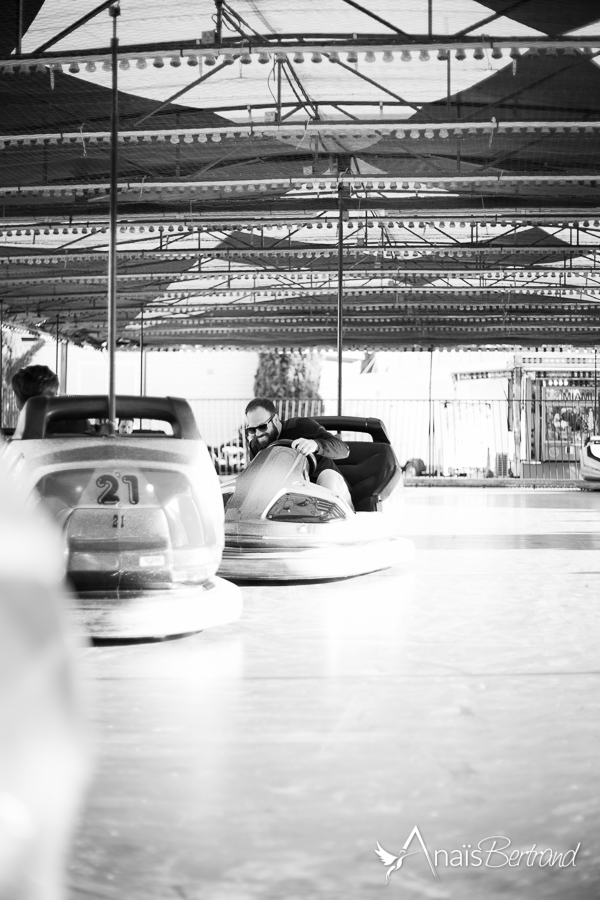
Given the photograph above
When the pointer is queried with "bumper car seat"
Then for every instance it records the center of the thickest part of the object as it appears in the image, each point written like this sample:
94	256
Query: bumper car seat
372	471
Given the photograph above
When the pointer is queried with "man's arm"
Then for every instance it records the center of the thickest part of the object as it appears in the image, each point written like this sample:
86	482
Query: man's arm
327	444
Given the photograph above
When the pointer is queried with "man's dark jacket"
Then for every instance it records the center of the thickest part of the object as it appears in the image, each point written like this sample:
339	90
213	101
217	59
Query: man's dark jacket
330	447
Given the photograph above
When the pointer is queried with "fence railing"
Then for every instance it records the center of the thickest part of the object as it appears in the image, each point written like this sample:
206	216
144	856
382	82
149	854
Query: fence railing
10	412
473	438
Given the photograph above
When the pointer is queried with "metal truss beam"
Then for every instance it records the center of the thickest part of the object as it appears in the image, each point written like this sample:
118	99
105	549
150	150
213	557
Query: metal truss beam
71	28
307	43
181	92
377	18
492	18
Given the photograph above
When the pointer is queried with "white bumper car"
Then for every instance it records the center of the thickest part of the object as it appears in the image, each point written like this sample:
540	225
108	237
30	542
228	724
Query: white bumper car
141	514
281	526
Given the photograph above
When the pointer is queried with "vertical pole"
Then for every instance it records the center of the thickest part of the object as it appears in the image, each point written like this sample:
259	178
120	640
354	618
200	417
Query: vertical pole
142	355
340	296
430	17
62	375
19	27
279	93
518	390
219	22
57	342
114	11
595	393
430	441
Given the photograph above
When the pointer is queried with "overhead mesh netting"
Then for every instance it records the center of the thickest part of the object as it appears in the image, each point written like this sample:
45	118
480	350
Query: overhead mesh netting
446	152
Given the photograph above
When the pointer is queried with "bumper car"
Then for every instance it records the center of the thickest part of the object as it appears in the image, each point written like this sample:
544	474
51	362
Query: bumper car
589	460
140	511
281	526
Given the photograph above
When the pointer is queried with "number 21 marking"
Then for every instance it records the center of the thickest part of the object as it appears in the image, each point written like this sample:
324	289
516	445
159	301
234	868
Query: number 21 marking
110	486
132	485
116	523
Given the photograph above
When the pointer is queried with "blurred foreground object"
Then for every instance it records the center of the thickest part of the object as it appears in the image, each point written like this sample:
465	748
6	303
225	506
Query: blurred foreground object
43	762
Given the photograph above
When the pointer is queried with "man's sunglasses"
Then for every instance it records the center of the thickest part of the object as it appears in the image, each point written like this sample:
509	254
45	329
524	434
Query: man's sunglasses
259	429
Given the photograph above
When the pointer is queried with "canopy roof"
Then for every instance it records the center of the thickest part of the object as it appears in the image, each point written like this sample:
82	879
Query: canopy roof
454	143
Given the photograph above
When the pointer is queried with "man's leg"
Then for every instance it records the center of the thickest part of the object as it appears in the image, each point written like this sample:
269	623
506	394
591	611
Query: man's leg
336	483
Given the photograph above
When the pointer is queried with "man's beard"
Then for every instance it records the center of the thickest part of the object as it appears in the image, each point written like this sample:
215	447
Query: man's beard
261	441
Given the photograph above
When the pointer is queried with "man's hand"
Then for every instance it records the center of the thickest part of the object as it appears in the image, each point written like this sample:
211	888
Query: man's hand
305	446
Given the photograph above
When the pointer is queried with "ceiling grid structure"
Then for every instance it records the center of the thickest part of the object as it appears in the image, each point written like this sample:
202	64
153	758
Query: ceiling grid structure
464	138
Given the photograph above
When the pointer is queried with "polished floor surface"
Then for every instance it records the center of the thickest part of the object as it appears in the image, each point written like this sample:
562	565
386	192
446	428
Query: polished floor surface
266	759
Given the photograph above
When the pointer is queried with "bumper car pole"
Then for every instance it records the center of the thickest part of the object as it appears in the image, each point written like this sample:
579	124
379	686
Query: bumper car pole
114	12
340	296
142	360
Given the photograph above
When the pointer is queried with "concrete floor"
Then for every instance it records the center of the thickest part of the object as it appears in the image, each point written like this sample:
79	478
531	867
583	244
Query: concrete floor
265	759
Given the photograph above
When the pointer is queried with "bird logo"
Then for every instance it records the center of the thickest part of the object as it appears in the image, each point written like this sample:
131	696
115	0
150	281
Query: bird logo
394	862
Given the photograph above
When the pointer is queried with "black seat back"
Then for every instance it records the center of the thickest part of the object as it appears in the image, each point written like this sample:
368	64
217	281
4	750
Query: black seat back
372	471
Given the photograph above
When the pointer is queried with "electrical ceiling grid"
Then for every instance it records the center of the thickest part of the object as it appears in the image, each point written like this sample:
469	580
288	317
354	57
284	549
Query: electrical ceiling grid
449	148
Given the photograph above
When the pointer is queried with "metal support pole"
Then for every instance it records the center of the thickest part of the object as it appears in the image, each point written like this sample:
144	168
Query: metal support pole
114	11
19	27
219	22
57	342
279	93
142	378
430	450
340	296
518	393
595	391
63	366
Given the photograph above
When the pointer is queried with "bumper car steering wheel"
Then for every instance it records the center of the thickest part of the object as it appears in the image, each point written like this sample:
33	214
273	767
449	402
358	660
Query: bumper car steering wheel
310	457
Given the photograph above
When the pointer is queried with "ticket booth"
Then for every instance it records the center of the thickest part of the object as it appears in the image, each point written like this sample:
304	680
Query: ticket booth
561	410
